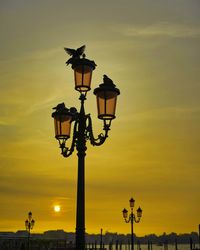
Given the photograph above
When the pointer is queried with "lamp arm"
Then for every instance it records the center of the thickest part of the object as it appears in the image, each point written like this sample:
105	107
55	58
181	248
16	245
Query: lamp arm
65	151
136	220
129	219
90	135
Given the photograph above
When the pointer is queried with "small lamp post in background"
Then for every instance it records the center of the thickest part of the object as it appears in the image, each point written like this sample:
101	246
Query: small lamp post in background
132	218
106	96
101	239
29	224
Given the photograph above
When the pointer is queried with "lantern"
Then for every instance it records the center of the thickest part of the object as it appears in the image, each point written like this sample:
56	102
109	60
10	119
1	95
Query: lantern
106	95
139	212
62	121
83	73
132	202
26	224
32	223
125	213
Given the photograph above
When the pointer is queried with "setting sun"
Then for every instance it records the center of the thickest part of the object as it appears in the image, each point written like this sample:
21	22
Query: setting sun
57	208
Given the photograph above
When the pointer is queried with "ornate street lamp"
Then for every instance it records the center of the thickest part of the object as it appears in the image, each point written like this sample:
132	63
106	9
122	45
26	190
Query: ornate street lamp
106	95
132	218
29	224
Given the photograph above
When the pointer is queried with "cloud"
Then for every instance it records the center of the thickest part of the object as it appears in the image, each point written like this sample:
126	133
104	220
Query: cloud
162	29
165	113
36	186
171	112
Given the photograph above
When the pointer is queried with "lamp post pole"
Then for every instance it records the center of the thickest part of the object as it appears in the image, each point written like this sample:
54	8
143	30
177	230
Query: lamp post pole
81	149
106	95
132	218
132	236
29	223
101	239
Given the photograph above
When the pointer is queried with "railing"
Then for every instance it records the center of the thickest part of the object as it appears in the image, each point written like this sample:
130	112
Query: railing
55	244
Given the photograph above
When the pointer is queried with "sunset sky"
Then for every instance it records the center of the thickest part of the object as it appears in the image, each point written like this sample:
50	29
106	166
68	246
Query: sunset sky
150	49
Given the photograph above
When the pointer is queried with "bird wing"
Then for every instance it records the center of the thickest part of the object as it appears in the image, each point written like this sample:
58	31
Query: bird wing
70	51
81	50
70	61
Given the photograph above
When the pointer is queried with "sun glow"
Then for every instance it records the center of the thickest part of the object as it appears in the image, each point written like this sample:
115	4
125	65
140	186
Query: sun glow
57	208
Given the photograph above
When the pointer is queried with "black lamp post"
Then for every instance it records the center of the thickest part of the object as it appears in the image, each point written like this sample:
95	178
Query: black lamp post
29	224
132	218
106	95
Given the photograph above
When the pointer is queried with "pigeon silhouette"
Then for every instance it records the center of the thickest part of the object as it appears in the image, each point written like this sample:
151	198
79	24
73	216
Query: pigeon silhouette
60	106
74	53
107	80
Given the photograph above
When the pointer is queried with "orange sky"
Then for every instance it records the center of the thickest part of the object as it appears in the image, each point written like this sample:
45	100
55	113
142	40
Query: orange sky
151	51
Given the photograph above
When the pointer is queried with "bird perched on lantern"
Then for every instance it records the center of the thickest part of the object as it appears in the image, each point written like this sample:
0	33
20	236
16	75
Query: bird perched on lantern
60	106
107	80
75	54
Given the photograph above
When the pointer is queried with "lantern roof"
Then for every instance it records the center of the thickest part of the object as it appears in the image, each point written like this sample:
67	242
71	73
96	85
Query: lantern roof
124	210
131	200
82	61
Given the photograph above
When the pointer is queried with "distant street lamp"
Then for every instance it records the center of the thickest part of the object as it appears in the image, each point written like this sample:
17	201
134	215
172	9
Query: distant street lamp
106	95
29	224
101	239
132	218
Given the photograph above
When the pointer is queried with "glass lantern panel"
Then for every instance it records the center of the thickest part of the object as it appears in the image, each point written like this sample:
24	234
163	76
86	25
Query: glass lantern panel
62	126
83	77
106	103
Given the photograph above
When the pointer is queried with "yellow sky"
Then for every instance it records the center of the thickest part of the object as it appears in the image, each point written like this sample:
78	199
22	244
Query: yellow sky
151	51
